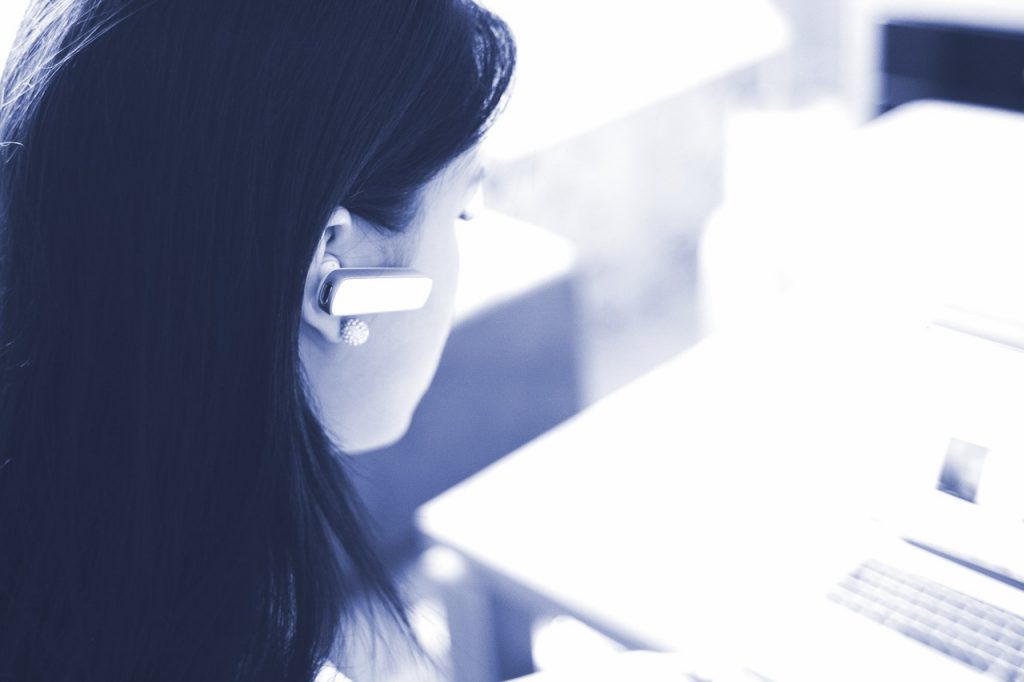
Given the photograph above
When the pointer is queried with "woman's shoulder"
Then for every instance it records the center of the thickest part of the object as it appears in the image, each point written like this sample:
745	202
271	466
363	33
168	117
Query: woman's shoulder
328	673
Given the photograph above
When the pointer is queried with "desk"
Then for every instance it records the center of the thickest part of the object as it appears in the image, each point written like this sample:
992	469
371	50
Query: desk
582	65
921	204
668	514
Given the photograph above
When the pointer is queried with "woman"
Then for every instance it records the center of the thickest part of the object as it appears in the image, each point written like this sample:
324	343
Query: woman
180	177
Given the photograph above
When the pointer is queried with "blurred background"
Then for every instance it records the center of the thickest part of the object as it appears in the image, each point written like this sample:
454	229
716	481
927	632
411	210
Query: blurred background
664	170
687	164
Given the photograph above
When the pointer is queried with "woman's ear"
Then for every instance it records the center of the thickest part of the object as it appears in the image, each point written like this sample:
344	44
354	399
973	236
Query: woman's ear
342	242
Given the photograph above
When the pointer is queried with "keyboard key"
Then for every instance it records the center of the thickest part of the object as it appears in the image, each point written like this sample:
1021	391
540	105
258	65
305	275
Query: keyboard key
1014	658
944	643
875	611
990	631
913	630
976	609
1008	637
970	638
1001	671
897	620
958	652
967	620
991	648
849	587
980	660
947	613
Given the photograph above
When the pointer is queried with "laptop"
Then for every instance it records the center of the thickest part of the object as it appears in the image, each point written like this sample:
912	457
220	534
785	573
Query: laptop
931	587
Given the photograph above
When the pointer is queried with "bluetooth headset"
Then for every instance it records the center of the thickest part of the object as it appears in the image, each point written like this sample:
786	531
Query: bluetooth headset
347	292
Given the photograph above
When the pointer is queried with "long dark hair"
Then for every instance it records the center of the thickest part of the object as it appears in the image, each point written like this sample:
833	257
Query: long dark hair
170	506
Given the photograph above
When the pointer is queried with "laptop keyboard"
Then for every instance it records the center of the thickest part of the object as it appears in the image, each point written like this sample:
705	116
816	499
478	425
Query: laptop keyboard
987	638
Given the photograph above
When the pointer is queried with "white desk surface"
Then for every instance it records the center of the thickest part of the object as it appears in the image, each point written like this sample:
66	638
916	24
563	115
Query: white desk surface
640	666
661	512
583	64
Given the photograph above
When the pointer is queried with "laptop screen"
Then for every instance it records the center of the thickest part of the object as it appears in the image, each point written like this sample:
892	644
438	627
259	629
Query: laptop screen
974	513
